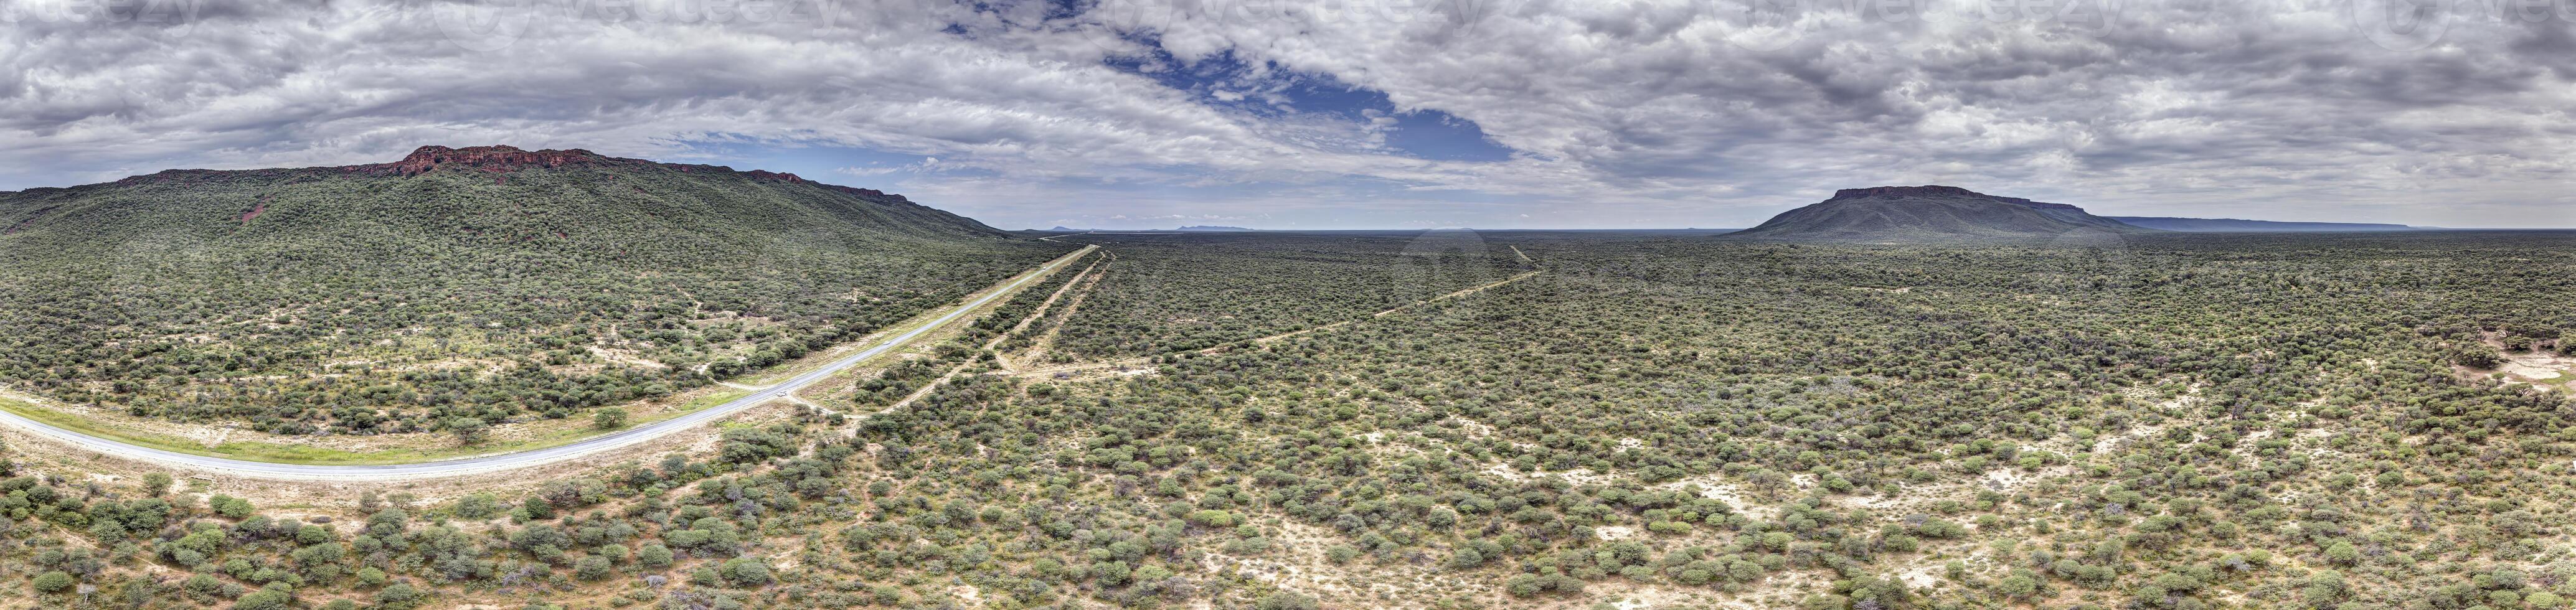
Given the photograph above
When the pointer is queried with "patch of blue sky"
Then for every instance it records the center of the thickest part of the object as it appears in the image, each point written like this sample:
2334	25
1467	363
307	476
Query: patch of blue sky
1268	92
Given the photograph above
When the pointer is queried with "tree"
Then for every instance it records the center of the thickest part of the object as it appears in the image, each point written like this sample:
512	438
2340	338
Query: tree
229	506
593	567
1286	600
53	582
1466	558
477	505
399	594
275	596
2477	356
2019	585
469	431
156	484
610	418
653	555
745	571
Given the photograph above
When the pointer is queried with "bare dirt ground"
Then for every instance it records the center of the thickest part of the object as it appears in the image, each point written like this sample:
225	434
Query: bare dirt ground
2540	369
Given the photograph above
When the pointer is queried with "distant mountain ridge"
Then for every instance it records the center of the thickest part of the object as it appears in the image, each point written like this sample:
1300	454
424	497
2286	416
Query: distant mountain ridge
585	279
2238	225
1932	212
486	188
1192	228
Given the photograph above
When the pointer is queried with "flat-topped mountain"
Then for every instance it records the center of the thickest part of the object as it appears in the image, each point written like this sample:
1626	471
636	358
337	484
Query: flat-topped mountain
483	191
488	282
1908	213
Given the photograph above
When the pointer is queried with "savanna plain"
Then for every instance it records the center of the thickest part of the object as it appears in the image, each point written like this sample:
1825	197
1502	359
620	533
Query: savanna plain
1286	421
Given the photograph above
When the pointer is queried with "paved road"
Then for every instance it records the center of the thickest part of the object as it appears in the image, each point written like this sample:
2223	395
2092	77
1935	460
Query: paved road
534	457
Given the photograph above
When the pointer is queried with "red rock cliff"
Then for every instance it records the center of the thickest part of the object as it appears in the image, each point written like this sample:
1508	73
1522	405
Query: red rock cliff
496	158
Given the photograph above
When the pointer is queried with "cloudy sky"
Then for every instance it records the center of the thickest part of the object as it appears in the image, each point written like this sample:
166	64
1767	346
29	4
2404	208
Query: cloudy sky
1359	113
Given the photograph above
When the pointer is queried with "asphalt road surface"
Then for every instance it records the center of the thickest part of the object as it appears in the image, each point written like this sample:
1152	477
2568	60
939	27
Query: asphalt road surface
534	457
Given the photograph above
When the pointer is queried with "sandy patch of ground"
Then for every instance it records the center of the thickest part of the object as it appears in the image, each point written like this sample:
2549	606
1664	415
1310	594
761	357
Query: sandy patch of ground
1474	429
1667	598
1578	476
2539	368
1088	371
1931	569
2121	440
969	595
1712	487
1779	590
626	357
1295	561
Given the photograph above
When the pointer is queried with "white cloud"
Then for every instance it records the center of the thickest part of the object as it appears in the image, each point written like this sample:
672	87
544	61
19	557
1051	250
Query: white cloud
1646	113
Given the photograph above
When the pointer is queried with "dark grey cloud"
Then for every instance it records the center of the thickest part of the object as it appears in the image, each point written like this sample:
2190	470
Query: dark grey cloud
1661	113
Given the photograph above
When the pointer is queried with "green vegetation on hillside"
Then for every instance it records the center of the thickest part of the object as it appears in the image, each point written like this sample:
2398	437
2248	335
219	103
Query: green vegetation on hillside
339	300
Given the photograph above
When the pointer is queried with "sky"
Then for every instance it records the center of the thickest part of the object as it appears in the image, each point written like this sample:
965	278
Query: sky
1278	114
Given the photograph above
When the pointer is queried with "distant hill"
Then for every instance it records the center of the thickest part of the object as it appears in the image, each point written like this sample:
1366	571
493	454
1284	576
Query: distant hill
487	282
1197	228
2234	225
1910	213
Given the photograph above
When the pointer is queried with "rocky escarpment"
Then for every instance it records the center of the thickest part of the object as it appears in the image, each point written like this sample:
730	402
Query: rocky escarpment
1928	190
488	158
500	158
